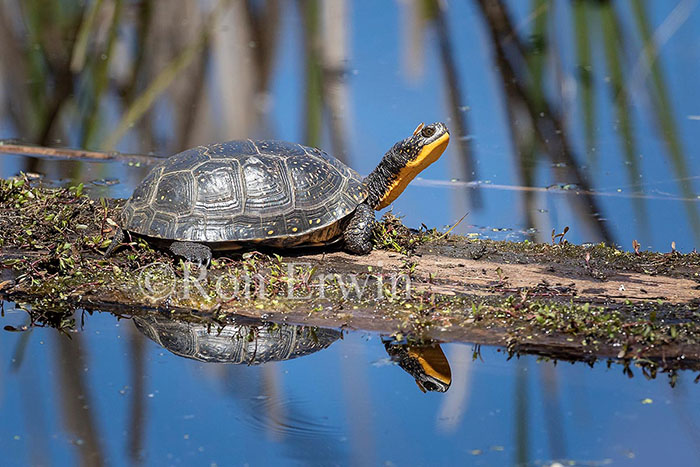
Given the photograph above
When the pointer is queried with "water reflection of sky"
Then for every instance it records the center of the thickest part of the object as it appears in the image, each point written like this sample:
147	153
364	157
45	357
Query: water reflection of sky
386	101
344	404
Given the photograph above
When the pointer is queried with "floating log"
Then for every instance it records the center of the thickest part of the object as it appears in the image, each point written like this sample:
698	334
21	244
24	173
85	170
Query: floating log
574	302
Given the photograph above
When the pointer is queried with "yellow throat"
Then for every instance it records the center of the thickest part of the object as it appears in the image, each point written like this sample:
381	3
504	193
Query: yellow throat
429	154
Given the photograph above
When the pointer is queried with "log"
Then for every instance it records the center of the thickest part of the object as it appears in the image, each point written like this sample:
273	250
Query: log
564	301
18	148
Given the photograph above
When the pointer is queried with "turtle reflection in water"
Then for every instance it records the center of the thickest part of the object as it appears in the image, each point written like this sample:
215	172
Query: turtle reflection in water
251	343
424	361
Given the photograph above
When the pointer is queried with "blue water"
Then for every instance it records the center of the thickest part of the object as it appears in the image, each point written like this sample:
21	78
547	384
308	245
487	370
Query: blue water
386	100
346	404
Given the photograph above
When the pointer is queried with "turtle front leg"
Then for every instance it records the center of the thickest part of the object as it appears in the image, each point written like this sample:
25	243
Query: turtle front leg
358	234
193	252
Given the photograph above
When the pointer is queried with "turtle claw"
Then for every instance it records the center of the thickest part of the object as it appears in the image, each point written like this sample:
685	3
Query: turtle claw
116	241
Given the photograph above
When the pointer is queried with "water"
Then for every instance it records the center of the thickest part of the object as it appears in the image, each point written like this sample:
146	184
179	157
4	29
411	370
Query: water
110	393
628	121
598	135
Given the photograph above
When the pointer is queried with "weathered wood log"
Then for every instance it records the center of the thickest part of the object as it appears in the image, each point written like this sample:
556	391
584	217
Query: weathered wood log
17	148
560	300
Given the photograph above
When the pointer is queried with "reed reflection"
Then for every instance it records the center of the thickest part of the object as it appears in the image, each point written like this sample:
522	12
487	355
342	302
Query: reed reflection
154	76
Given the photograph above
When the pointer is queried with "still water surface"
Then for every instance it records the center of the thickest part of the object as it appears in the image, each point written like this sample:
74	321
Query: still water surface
572	113
109	393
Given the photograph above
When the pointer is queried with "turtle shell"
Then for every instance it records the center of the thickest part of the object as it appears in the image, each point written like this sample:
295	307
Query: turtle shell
249	344
273	192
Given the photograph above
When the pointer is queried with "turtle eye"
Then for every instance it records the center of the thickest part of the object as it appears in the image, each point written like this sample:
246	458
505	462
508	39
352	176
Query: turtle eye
430	386
427	131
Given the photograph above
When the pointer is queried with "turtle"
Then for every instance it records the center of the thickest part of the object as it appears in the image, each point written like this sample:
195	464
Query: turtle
269	193
249	342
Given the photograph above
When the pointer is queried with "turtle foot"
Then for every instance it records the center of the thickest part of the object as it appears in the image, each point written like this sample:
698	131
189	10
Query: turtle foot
193	252
358	234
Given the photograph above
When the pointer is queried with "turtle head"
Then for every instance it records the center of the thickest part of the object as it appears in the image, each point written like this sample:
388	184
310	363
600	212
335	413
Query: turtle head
426	362
404	161
433	370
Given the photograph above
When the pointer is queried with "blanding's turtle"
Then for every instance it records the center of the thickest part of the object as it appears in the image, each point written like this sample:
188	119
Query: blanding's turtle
269	193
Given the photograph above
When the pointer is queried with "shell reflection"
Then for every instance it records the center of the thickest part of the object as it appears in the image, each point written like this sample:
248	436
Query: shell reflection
249	343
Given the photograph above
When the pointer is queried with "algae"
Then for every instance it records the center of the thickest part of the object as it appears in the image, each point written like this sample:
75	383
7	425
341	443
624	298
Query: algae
52	239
